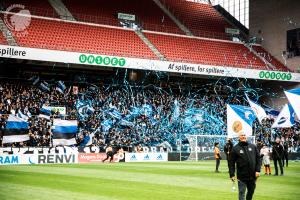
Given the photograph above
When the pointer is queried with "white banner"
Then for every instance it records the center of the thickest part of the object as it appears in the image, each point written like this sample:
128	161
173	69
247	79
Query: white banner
36	158
146	157
143	64
50	158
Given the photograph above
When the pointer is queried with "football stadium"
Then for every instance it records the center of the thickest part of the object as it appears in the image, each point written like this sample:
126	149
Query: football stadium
150	99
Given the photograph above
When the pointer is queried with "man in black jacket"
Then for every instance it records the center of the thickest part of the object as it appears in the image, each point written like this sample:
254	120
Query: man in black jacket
277	154
285	154
227	149
245	158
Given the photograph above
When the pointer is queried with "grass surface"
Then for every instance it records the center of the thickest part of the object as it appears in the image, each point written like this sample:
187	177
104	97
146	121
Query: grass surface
170	180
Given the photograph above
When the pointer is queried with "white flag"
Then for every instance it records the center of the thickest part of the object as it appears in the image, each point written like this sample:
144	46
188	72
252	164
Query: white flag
257	109
294	99
239	119
285	118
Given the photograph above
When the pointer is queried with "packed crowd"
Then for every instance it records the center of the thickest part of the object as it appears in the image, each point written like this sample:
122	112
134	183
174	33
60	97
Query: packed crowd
124	115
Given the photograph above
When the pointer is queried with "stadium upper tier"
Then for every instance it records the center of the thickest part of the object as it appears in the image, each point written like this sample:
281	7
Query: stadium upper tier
196	50
2	39
279	66
51	34
202	19
147	13
35	7
199	18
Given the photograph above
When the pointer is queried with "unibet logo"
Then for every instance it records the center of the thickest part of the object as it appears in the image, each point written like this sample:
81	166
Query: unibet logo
275	75
99	60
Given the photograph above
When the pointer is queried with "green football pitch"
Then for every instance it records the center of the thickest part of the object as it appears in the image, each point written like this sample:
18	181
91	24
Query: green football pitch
169	180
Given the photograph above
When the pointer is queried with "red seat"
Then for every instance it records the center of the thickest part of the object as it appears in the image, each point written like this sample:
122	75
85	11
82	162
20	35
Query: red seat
60	36
201	51
35	7
279	66
149	15
202	19
2	39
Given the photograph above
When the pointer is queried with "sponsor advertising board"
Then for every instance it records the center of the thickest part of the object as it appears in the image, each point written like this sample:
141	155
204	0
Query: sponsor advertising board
98	157
146	157
25	53
15	156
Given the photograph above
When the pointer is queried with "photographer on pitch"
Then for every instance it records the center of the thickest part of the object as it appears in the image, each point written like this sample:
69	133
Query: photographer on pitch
109	154
245	159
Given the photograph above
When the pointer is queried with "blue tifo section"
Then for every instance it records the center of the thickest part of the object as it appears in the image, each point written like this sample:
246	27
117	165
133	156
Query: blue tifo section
16	125
46	110
65	129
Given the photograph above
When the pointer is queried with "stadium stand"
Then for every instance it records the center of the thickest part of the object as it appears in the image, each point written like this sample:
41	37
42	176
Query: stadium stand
202	19
58	35
112	100
51	34
2	39
196	50
36	7
148	14
271	59
90	11
28	98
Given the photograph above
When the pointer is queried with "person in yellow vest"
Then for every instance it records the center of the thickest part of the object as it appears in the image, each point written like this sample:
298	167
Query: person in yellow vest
217	156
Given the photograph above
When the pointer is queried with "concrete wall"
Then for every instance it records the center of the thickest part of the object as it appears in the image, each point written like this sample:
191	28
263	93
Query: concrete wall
270	19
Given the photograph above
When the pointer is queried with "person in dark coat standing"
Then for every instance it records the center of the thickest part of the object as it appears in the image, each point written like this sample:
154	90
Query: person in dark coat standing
277	155
227	149
245	159
285	154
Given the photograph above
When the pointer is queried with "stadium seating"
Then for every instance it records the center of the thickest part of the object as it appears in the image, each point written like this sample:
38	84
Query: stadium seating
51	34
279	66
92	11
2	39
202	19
195	50
149	15
35	7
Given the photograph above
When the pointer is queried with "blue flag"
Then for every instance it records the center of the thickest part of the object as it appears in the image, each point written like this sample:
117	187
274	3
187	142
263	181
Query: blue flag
16	130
